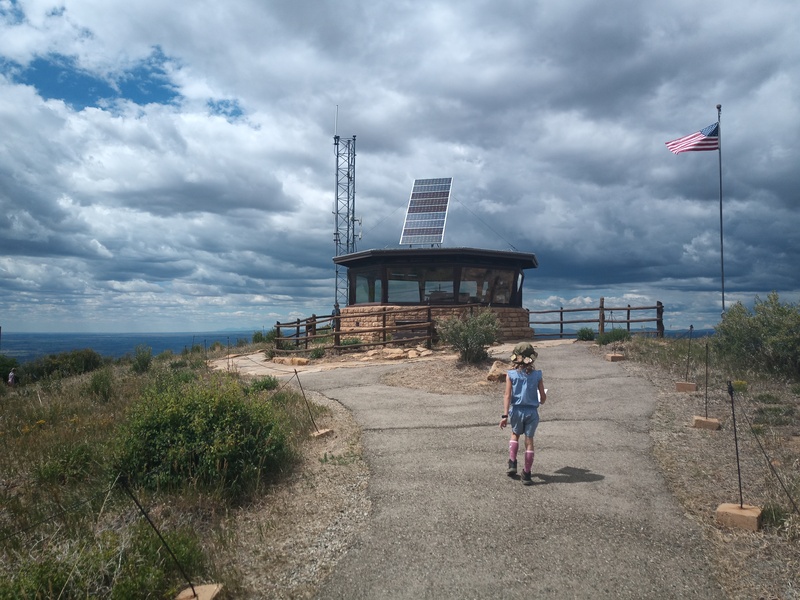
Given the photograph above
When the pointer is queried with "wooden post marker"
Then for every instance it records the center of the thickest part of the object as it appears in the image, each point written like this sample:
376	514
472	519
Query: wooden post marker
686	385
201	592
705	423
743	516
739	516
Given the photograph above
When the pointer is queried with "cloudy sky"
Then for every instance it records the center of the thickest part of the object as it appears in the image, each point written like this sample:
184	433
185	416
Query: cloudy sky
169	166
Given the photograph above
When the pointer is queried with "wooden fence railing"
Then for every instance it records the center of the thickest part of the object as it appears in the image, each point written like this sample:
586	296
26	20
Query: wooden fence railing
605	315
303	332
300	335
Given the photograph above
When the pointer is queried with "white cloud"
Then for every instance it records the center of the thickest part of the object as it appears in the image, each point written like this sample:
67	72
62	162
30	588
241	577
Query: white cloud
208	205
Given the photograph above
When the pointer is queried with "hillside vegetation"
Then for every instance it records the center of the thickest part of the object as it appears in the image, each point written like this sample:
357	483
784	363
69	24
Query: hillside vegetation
92	437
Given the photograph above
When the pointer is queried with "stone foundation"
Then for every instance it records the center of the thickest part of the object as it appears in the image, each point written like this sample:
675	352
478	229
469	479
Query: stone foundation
359	321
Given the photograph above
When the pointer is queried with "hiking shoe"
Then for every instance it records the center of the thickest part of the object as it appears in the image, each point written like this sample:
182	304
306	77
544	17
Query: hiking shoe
512	468
526	478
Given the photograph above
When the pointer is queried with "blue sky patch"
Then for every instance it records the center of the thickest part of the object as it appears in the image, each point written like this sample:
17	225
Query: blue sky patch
11	13
58	77
226	108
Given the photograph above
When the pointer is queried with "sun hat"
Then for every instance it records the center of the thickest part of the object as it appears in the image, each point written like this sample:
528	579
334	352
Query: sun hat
524	353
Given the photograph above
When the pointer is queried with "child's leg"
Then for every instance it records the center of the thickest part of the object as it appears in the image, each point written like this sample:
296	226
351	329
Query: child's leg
528	454
513	447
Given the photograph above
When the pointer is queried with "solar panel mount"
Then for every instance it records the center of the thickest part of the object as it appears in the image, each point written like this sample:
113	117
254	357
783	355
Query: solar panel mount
427	211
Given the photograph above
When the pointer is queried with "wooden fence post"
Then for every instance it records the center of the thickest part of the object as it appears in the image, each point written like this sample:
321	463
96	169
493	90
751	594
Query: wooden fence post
561	322
278	335
629	318
429	342
660	319
601	322
337	340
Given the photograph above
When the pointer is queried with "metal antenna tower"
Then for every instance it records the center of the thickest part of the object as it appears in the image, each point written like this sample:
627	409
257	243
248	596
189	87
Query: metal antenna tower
344	210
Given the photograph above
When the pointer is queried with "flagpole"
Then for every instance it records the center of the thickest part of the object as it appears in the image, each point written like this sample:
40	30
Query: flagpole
721	249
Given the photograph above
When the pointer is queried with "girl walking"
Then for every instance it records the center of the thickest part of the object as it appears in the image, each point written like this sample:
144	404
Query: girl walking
524	393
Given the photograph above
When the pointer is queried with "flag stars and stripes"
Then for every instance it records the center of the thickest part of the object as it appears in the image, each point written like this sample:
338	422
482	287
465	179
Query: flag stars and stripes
705	139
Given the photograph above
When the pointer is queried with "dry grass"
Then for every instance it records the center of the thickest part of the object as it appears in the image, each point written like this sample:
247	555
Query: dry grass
701	469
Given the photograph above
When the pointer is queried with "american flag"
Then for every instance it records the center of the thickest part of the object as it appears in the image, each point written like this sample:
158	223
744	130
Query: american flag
705	139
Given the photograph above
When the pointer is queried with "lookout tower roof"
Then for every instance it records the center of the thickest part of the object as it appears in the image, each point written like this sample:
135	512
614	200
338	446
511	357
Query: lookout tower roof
461	256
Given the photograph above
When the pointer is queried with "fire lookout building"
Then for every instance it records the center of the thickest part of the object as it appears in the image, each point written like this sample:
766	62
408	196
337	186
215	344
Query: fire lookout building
448	281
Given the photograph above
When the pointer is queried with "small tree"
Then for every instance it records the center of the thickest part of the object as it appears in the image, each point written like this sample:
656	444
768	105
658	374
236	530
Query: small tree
470	335
142	359
767	338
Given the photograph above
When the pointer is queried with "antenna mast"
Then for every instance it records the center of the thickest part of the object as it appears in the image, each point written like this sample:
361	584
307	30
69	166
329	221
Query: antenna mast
344	209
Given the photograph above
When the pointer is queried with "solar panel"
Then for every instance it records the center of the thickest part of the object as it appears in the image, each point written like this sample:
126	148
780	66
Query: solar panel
427	211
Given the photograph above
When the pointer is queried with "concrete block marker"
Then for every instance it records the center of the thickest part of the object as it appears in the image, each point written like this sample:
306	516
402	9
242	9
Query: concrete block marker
740	517
685	386
201	592
705	423
613	357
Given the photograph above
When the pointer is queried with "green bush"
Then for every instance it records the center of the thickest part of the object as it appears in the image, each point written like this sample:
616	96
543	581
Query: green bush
6	364
65	364
260	337
143	570
768	338
613	336
264	384
317	352
351	342
205	434
101	384
774	415
470	335
71	462
585	334
142	359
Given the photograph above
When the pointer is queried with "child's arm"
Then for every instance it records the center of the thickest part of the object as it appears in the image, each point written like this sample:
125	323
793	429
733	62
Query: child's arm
506	403
542	392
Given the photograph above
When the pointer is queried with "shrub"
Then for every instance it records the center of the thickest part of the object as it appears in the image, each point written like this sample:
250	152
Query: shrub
351	342
613	336
205	434
72	462
101	385
739	386
142	359
585	334
766	399
768	338
103	570
774	415
6	364
470	335
317	352
264	384
259	337
65	364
